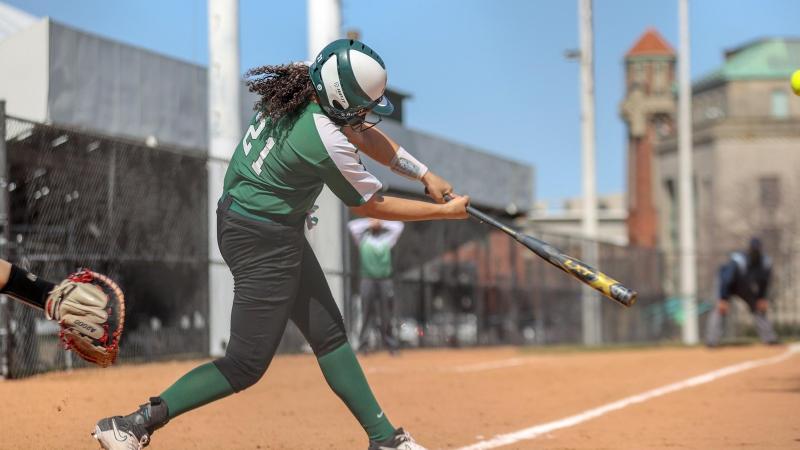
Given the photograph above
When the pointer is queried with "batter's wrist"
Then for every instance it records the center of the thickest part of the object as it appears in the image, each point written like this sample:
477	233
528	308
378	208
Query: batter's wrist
404	164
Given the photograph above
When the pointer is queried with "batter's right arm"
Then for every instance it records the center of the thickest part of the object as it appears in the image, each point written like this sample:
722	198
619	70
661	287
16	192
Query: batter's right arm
395	208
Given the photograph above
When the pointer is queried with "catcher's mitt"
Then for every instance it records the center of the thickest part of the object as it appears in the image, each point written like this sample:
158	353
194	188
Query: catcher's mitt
90	308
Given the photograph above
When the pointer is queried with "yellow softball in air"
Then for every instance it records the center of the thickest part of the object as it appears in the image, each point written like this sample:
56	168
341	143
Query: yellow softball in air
796	82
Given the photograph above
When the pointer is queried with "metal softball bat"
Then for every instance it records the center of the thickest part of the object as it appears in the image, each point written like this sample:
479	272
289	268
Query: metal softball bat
584	273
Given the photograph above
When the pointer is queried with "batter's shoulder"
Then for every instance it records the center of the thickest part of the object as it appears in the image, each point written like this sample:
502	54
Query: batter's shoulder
315	136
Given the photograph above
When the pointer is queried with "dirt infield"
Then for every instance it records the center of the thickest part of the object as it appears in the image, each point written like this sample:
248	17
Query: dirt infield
448	398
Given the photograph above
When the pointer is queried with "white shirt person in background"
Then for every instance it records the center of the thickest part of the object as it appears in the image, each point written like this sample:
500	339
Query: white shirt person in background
375	240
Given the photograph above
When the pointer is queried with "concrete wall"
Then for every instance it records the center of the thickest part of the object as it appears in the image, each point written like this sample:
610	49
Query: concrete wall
24	71
611	227
731	156
491	181
742	162
705	200
753	98
710	104
54	73
124	90
612	217
70	77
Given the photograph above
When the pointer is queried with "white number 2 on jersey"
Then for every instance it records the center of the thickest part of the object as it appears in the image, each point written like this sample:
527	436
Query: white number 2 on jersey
254	133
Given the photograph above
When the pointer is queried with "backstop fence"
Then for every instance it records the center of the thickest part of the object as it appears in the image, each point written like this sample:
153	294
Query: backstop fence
139	214
136	213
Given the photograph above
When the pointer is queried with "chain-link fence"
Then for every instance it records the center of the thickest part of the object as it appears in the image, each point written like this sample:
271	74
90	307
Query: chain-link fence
139	214
462	283
136	213
783	293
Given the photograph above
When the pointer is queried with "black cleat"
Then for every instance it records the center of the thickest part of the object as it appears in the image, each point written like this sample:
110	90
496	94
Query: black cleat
120	433
132	432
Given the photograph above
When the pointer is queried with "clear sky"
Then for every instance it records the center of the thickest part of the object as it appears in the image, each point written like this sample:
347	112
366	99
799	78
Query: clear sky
489	73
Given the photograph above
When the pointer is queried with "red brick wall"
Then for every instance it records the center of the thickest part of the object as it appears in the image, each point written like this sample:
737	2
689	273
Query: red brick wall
642	220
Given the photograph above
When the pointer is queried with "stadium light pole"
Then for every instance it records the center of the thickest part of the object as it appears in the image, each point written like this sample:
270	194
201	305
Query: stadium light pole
590	306
5	235
224	132
328	238
688	268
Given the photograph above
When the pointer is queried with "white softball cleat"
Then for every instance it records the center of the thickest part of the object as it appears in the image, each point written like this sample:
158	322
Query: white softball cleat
120	433
400	441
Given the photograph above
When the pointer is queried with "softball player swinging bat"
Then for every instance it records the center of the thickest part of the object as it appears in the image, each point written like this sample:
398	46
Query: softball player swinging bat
310	124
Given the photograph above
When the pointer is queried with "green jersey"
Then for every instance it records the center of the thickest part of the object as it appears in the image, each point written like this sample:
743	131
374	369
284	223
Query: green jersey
281	170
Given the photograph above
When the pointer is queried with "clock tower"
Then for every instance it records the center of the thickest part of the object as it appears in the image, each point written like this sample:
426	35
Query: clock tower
649	112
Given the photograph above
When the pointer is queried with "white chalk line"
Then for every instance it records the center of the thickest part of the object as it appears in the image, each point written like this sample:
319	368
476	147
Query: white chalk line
466	368
538	430
500	364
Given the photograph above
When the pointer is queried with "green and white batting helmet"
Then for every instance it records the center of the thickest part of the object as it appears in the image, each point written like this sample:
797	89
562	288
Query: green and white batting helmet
350	79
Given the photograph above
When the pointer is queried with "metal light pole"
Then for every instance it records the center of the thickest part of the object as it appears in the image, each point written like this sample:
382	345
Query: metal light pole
5	235
328	238
688	270
224	132
590	306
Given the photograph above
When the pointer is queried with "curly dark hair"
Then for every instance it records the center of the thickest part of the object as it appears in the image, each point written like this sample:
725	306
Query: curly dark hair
284	89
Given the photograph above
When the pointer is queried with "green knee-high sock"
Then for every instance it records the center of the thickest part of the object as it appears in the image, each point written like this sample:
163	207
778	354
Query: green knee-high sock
345	377
201	385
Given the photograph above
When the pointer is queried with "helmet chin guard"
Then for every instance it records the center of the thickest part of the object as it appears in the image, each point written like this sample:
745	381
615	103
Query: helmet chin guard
350	80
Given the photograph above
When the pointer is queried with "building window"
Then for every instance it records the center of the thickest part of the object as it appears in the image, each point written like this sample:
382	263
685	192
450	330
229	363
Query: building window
771	239
672	198
638	73
660	77
780	104
769	189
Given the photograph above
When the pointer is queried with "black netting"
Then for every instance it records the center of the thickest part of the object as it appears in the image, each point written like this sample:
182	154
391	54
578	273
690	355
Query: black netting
463	283
140	214
136	213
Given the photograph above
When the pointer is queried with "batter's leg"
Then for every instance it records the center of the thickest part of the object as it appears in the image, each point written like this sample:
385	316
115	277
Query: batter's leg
317	316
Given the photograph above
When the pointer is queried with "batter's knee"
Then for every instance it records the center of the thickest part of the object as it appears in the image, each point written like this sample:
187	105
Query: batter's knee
241	373
329	342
